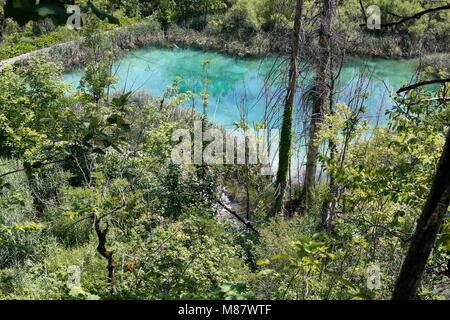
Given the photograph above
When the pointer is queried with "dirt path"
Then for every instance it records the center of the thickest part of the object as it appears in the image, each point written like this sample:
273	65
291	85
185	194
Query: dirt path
39	51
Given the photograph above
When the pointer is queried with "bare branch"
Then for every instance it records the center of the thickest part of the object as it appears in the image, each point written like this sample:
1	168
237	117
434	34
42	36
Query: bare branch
363	10
248	224
415	16
421	84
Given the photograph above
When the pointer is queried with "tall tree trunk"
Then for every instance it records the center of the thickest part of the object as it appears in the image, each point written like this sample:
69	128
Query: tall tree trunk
286	129
319	92
426	231
330	202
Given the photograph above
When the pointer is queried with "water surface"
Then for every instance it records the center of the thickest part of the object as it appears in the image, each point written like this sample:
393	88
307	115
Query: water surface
237	81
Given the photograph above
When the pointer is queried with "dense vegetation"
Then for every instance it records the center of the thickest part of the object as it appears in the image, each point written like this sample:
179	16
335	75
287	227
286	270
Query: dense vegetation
88	187
257	23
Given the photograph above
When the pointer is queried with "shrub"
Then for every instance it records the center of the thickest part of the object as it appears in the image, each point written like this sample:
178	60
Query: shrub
184	259
21	237
242	18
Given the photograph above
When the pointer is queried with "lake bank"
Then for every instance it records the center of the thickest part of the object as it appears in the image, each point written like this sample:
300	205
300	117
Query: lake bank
73	54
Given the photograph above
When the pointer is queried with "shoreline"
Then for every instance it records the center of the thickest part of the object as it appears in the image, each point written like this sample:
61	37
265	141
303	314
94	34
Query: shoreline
146	34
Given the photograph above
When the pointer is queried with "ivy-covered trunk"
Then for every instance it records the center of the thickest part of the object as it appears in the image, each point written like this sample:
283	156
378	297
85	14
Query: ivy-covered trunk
286	129
427	228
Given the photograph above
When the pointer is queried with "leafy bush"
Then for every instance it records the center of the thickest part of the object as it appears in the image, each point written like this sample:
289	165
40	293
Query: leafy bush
242	18
183	259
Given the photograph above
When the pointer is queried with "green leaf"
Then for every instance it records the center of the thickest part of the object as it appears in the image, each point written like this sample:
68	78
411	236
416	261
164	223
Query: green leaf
280	256
122	100
314	245
94	123
262	262
301	253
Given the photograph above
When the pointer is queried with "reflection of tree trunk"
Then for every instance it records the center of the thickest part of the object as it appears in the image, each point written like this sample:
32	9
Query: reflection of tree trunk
286	129
426	231
319	92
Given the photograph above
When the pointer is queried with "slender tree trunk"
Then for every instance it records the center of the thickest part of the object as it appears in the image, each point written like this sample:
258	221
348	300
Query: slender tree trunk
108	255
320	93
286	129
247	192
2	23
426	231
329	204
313	148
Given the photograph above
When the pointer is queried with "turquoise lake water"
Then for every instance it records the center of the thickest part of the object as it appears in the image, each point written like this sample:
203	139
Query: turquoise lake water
154	69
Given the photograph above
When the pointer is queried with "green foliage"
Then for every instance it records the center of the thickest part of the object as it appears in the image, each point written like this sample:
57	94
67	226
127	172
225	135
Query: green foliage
306	265
50	277
435	66
70	156
254	23
20	234
40	94
21	40
385	177
274	240
229	291
151	197
242	16
190	259
428	30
